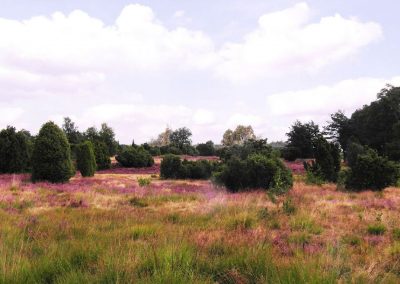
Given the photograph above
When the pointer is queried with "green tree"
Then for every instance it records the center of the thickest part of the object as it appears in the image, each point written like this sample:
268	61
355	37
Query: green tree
302	137
15	150
107	136
103	160
51	159
180	138
206	149
71	131
86	160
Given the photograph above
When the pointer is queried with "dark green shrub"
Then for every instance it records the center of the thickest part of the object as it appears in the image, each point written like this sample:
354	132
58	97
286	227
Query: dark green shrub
15	150
371	171
135	157
103	160
206	149
256	171
353	151
51	159
169	149
86	160
170	166
326	165
290	153
201	169
376	229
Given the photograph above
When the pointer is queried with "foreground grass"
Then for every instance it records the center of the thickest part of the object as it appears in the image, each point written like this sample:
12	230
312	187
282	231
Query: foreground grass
174	234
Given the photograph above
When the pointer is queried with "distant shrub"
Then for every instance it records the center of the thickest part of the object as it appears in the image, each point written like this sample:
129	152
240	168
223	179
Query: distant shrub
169	149
85	159
290	153
15	151
144	181
206	149
135	157
256	171
103	160
51	158
326	165
172	167
376	229
342	178
153	150
370	171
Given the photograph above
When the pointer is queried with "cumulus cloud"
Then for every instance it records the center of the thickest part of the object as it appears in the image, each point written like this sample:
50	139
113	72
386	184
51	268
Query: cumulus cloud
286	41
347	95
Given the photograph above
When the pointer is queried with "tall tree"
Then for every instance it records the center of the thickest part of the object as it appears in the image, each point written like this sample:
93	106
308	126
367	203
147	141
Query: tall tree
181	137
302	136
51	159
71	131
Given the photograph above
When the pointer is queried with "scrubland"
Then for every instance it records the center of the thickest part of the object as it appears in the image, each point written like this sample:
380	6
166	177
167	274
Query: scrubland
110	229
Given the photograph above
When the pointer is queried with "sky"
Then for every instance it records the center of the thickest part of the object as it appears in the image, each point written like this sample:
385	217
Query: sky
207	65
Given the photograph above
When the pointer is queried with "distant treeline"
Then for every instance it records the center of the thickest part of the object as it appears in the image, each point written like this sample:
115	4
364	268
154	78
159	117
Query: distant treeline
368	142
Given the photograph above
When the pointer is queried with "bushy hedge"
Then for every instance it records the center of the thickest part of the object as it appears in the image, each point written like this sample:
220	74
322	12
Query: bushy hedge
206	149
371	171
254	172
172	167
103	160
85	159
135	157
15	151
51	159
326	165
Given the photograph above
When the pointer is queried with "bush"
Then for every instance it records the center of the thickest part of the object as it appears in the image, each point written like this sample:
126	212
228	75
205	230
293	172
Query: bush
172	167
327	162
15	151
135	157
51	159
169	149
376	229
206	149
256	171
86	160
103	160
144	181
290	153
371	171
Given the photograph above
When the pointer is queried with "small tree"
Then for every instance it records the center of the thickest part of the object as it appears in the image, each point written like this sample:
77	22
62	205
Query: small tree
206	149
302	136
51	158
180	138
103	160
171	166
15	150
371	171
327	160
86	160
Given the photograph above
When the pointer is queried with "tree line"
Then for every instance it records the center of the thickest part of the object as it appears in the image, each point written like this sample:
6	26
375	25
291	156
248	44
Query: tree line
368	142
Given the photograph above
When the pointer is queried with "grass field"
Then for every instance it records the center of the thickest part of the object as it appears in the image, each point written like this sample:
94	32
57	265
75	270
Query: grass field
108	229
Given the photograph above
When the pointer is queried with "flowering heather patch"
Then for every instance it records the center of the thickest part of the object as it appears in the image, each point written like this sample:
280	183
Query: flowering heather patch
296	167
155	169
206	230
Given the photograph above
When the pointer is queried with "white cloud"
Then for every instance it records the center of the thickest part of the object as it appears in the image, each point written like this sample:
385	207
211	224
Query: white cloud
9	115
203	117
346	95
286	42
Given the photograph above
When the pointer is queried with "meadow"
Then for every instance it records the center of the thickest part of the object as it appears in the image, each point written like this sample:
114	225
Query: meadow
114	228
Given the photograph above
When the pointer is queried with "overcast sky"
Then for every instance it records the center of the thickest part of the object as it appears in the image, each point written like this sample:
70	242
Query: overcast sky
208	65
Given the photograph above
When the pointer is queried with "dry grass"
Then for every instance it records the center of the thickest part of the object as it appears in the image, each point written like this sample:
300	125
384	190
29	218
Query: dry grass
135	232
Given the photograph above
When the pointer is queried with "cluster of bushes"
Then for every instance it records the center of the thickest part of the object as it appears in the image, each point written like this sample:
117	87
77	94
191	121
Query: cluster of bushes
368	170
255	171
136	157
172	167
326	165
